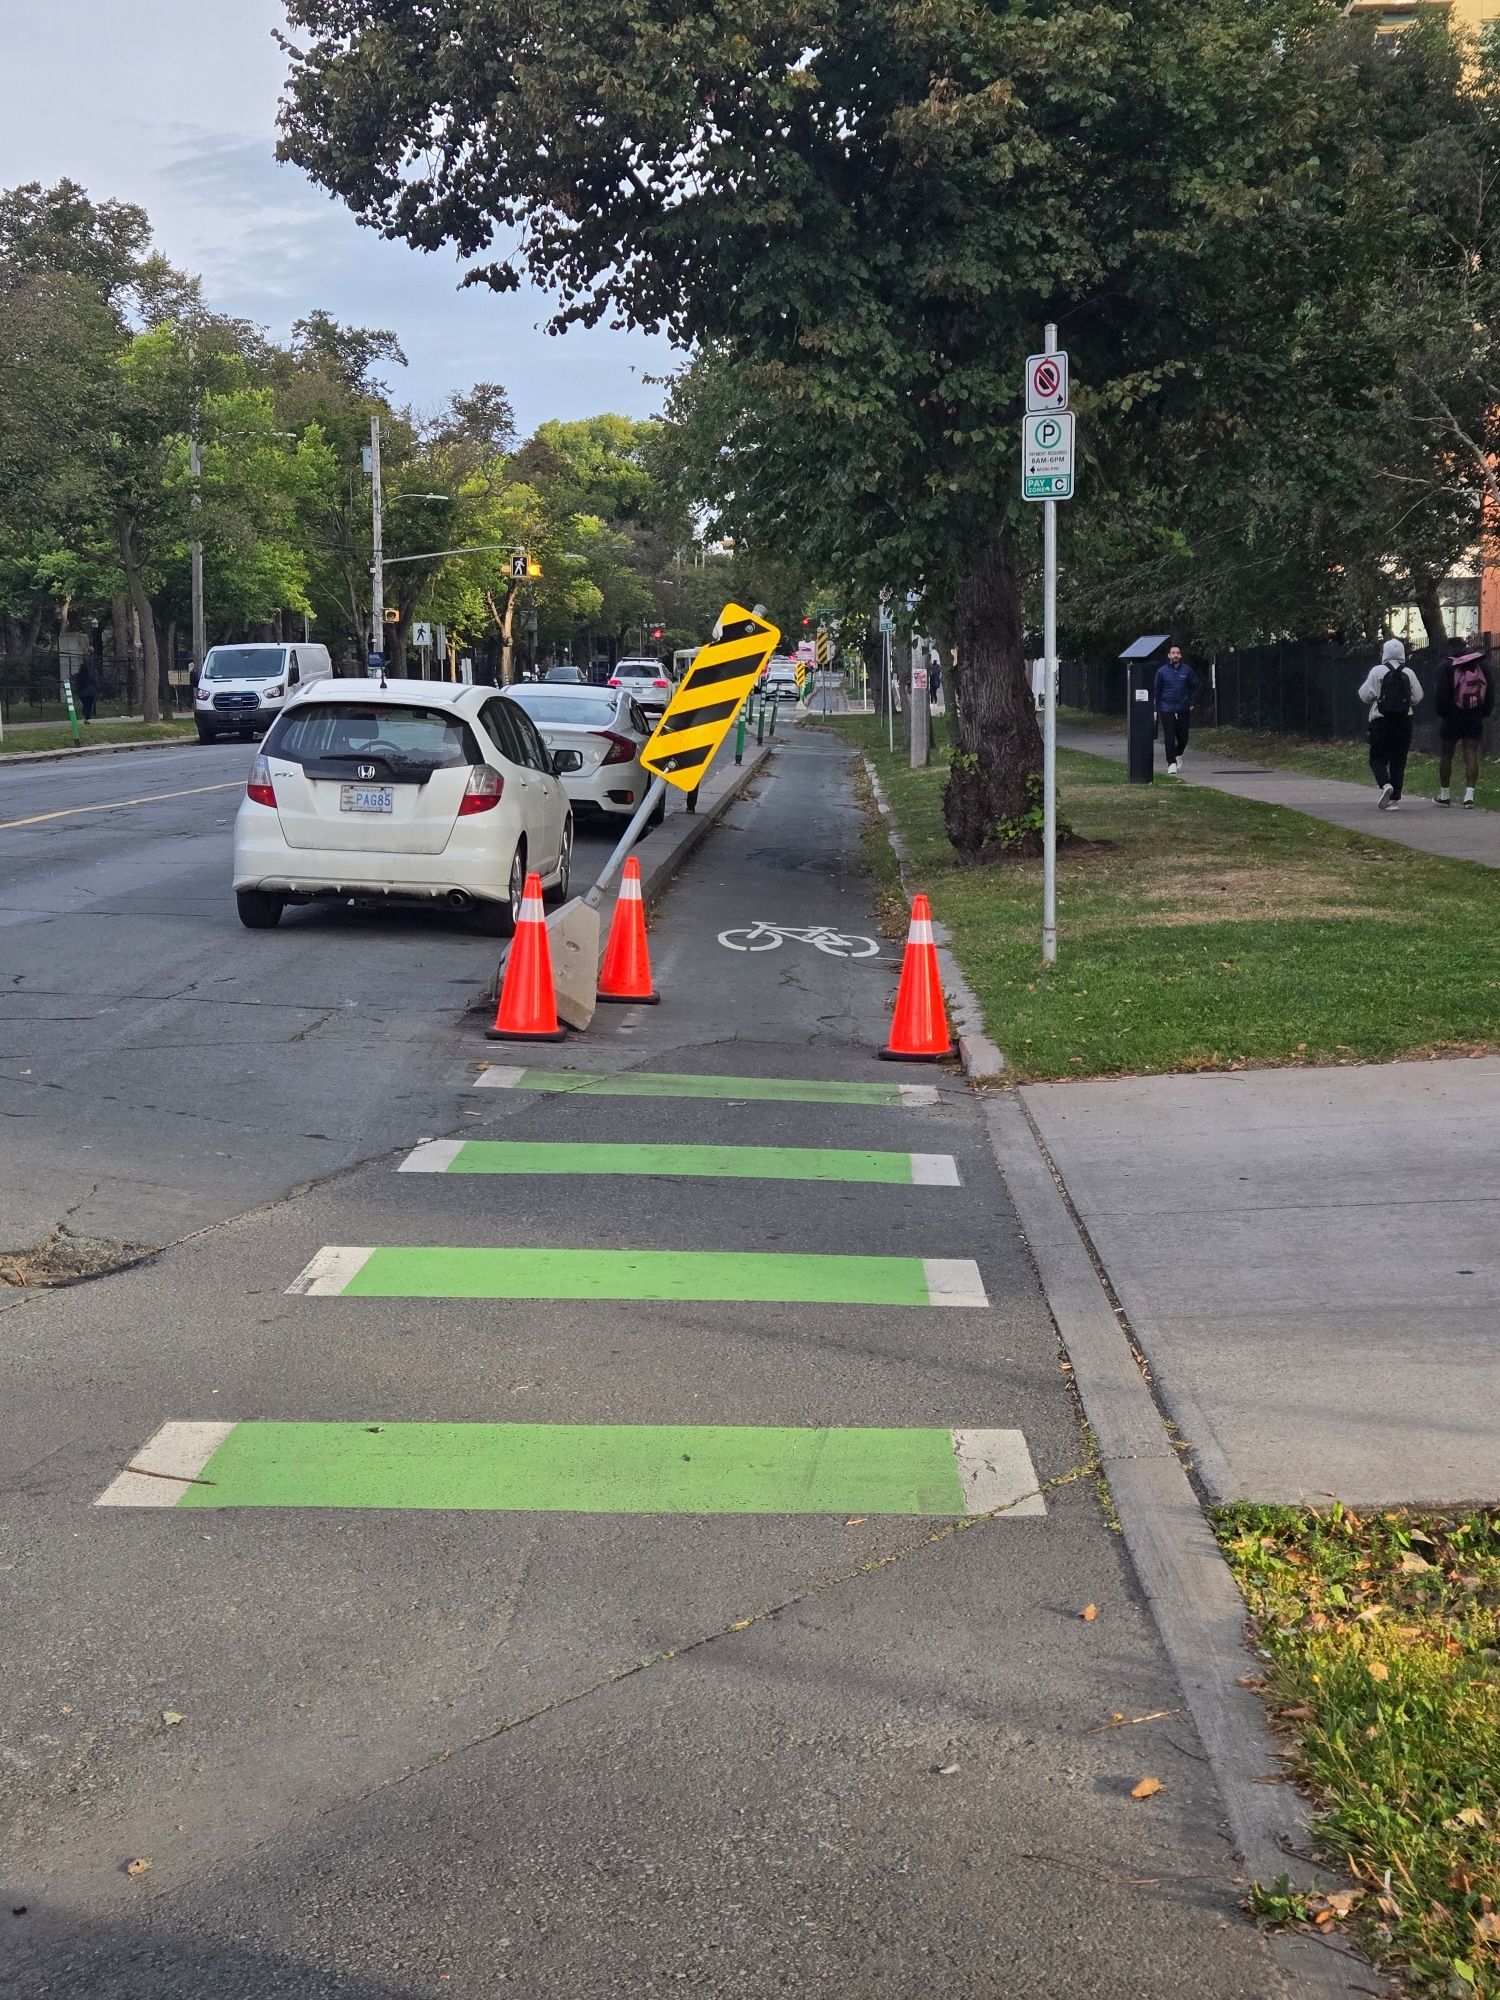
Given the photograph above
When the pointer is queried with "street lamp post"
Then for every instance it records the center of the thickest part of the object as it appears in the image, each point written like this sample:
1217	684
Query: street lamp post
377	545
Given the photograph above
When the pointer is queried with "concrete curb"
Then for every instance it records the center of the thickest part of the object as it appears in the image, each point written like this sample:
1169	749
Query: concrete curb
982	1061
1193	1597
8	757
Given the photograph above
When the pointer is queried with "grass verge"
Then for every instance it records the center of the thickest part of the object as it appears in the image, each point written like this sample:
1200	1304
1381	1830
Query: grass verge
1342	758
1202	932
23	742
1381	1637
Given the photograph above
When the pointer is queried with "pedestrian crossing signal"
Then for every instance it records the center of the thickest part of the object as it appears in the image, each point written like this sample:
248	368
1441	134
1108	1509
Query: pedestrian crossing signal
708	698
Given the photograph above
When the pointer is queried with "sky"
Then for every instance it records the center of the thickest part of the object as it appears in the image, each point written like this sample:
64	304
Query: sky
172	104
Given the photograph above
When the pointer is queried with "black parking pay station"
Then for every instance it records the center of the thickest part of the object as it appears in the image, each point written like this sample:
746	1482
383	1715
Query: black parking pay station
1141	661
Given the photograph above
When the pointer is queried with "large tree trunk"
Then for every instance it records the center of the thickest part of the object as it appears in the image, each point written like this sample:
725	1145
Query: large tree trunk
136	586
119	619
1424	594
994	782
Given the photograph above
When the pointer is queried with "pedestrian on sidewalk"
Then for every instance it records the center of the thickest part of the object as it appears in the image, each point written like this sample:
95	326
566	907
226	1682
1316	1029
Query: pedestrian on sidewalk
1464	699
1392	691
1173	693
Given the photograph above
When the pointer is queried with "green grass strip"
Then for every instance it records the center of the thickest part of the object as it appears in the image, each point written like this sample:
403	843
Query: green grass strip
771	1163
771	1089
580	1468
759	1277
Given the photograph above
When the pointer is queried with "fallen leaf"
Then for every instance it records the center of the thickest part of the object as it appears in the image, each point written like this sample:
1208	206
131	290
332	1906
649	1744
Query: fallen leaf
1302	1714
1146	1789
1342	1901
1379	1671
856	1520
169	1716
138	1867
1488	1926
1089	1613
1470	1816
1411	1564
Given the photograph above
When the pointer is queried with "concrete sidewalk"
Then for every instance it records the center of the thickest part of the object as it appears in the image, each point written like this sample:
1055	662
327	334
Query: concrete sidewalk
1310	1261
1462	836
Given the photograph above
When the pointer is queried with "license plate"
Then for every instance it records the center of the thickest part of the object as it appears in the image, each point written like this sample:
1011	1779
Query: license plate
366	799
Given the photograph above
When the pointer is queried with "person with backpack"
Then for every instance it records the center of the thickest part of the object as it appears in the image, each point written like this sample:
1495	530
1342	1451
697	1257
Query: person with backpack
1464	698
1173	692
1392	691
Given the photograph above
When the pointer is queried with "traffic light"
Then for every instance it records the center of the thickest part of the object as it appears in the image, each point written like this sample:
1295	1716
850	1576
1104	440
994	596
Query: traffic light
658	631
805	623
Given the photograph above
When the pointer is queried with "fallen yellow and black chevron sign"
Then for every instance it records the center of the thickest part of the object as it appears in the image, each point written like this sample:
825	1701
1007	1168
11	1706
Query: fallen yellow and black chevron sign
701	713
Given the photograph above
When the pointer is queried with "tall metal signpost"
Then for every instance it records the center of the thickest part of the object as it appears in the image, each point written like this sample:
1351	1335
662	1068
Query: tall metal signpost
1047	475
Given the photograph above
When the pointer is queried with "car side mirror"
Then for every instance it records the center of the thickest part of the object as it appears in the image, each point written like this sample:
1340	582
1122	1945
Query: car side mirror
566	760
294	674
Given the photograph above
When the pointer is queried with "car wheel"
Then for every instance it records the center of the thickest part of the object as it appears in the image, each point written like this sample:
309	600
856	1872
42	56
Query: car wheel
259	909
207	735
559	891
500	919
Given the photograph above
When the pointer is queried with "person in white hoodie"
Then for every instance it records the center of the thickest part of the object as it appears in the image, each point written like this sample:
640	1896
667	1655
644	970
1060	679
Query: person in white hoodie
1392	691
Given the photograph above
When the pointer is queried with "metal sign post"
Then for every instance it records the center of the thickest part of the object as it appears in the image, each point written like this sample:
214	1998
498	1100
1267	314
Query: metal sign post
1047	475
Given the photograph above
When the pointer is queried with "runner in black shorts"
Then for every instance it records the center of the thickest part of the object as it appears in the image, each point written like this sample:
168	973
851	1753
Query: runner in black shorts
1465	698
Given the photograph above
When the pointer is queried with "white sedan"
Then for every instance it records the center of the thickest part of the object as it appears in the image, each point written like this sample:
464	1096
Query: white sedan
407	792
646	679
607	729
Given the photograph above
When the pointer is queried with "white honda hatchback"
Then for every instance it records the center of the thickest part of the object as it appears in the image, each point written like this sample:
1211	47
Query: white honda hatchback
402	792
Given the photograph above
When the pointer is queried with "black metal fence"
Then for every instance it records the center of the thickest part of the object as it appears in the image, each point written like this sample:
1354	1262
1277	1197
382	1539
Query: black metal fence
31	687
1295	688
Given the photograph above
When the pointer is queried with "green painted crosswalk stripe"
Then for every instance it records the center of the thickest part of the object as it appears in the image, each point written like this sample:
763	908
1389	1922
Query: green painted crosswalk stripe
582	1468
776	1163
431	1271
768	1089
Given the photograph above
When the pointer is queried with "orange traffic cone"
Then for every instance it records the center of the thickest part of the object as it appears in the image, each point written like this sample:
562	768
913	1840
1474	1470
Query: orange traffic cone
626	972
919	1032
528	1005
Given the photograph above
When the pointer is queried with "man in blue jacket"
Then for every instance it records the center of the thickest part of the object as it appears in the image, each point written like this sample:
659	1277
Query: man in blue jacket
1173	693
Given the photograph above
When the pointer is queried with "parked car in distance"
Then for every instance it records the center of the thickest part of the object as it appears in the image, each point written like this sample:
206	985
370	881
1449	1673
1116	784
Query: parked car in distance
563	674
780	679
648	681
407	792
607	728
242	689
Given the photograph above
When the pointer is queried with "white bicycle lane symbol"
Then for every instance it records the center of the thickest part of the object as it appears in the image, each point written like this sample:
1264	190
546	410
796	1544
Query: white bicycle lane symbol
761	936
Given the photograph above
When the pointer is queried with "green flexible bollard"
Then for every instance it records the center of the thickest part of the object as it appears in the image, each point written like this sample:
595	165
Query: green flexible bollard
739	738
760	723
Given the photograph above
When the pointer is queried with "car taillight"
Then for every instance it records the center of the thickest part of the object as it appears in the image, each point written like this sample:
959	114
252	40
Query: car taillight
621	750
260	789
484	791
614	683
661	684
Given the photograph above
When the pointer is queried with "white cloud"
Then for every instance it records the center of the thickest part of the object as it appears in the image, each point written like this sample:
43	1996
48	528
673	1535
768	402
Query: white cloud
180	100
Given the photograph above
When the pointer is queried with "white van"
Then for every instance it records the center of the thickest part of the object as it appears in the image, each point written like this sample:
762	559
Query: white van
242	689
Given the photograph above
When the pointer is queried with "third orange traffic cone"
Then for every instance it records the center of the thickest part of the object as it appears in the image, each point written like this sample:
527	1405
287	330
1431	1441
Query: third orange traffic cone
919	1032
528	1003
626	972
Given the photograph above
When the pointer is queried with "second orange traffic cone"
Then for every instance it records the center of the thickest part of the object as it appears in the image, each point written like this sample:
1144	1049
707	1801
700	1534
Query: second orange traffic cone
626	972
528	1003
919	1033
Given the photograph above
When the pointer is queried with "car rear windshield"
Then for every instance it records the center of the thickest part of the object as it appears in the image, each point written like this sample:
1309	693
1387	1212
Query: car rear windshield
243	663
591	710
404	740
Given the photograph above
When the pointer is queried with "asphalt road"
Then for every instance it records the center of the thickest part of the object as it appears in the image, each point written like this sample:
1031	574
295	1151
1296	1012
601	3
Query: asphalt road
160	1066
383	1749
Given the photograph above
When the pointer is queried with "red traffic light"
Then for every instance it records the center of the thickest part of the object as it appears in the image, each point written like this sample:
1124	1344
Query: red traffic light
657	631
806	622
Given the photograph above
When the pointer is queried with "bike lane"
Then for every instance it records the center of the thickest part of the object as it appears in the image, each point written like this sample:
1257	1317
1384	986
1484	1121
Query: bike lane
647	1696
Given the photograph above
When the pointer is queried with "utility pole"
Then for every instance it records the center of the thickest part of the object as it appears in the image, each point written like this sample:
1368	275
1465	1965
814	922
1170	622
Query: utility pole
377	545
200	635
